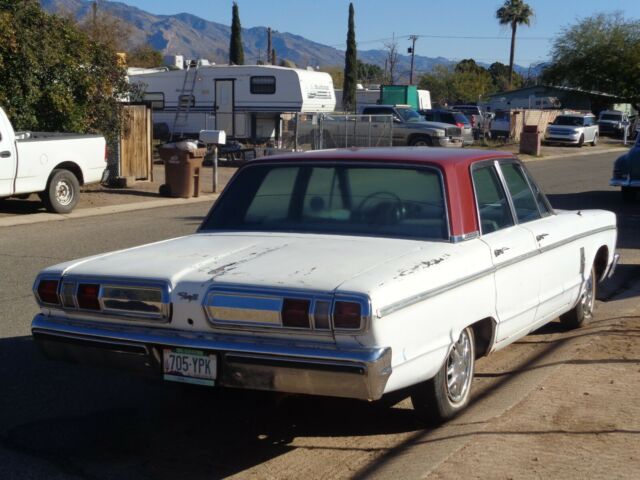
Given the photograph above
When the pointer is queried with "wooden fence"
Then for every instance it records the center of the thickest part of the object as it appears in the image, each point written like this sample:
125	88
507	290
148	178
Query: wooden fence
136	148
522	117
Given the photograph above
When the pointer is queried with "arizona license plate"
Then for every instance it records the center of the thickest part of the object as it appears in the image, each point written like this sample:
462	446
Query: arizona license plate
189	366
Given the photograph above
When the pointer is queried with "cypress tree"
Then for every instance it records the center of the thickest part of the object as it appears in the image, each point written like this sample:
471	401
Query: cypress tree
350	66
236	53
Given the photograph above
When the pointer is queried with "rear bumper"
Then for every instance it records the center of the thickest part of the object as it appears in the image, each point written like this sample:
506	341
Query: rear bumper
308	368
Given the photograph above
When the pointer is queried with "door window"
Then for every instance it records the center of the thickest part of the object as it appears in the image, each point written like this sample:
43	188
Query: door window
523	199
493	207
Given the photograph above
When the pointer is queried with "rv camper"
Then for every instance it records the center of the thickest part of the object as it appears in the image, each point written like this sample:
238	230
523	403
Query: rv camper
246	101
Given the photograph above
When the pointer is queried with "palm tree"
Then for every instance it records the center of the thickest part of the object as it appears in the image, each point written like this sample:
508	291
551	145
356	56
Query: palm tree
514	13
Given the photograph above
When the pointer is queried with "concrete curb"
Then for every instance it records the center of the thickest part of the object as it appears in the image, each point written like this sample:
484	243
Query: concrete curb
529	158
106	210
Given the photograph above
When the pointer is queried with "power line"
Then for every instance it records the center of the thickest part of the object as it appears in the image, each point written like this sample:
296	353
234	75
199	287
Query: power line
459	37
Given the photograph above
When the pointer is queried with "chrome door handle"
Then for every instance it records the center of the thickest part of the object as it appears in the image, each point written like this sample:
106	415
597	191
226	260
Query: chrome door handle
541	236
499	251
5	154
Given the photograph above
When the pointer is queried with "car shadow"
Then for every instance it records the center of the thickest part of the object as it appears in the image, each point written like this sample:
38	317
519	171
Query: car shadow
80	419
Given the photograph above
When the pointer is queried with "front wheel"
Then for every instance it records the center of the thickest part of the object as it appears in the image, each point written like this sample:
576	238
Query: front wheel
446	394
581	141
582	313
421	142
62	193
595	140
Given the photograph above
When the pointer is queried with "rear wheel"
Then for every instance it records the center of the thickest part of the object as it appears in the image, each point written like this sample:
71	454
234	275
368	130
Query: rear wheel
446	394
62	193
582	313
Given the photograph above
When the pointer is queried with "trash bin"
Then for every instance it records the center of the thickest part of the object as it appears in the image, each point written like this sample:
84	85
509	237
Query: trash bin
181	171
530	140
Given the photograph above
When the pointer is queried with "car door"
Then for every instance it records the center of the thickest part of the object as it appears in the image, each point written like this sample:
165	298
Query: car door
514	253
559	260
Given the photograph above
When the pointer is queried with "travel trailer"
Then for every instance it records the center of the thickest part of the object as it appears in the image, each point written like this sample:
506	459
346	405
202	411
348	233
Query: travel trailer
246	101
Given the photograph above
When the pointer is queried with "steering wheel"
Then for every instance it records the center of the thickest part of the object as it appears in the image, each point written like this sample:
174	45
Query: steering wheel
390	211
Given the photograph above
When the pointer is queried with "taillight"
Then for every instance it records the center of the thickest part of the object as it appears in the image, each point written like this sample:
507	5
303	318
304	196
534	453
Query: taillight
88	296
347	315
48	292
106	153
295	313
459	124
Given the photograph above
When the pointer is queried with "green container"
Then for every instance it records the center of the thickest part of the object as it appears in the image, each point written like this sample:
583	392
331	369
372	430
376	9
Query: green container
399	95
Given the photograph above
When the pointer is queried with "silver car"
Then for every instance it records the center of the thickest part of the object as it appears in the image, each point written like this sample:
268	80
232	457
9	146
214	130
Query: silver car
573	128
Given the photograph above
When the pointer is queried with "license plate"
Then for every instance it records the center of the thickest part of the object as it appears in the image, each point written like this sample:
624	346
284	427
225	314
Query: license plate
189	366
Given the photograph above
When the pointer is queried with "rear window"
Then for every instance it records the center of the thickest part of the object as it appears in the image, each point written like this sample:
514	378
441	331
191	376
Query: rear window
401	202
611	116
569	121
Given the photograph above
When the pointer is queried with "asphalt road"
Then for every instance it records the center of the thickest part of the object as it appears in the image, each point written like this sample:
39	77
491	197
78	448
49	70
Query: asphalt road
65	421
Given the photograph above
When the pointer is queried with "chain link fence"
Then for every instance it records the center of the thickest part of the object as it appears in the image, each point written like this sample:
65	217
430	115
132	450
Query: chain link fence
303	131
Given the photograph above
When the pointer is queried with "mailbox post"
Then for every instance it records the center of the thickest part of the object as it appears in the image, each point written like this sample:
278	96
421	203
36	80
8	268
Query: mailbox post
213	138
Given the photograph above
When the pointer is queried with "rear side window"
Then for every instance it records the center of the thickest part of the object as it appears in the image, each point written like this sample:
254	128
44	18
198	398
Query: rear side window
523	199
493	207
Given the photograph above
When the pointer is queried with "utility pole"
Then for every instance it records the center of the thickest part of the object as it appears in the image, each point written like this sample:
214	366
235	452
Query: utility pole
269	47
412	51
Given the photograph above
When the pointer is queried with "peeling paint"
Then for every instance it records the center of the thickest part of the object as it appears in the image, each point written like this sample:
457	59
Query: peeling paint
224	269
421	266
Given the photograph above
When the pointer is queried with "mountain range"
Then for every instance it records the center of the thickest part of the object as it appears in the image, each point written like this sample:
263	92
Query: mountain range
194	37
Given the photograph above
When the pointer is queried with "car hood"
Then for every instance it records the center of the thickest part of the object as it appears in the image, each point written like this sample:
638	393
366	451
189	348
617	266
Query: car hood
319	262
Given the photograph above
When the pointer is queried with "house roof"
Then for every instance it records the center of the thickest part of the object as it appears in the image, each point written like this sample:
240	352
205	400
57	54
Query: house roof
556	87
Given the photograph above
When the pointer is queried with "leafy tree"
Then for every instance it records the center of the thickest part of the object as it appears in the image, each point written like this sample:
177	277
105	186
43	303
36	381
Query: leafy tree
500	77
350	66
465	82
54	77
236	52
600	53
514	13
144	56
369	73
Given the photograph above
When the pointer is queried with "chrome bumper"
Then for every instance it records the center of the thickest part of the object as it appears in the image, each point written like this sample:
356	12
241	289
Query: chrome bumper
624	182
449	142
309	368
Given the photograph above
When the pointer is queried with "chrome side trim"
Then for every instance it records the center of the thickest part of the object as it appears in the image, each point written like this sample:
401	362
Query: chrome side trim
573	238
407	302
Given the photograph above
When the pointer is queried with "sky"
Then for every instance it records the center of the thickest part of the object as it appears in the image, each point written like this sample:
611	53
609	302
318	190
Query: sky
440	24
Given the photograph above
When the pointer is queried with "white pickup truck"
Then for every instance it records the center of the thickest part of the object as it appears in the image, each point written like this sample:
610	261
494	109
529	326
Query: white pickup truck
53	165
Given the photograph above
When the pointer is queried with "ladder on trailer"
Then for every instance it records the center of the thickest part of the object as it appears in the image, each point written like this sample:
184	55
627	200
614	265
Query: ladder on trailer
186	100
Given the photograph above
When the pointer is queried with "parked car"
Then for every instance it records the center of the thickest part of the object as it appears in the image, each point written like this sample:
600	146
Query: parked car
53	165
349	273
500	126
626	173
476	116
409	127
451	117
573	128
613	122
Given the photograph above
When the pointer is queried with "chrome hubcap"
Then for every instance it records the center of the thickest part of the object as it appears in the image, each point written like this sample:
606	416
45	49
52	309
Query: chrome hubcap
64	192
459	366
588	300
